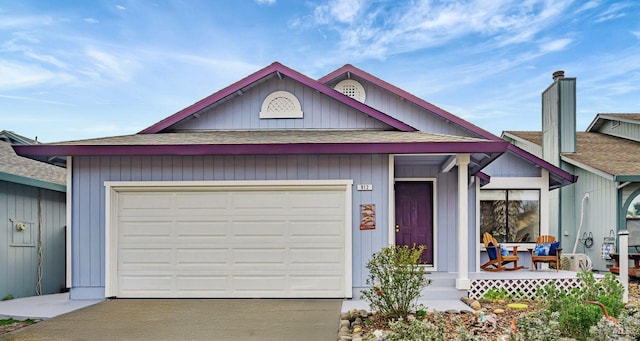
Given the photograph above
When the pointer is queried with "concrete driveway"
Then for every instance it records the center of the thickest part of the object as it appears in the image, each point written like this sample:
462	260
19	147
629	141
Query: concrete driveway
192	319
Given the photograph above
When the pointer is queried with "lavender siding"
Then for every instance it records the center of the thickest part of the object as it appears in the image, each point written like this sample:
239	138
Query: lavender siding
509	165
89	174
447	217
407	112
320	112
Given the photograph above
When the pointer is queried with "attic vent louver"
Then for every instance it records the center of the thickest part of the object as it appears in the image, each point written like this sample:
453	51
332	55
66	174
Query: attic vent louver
352	89
281	104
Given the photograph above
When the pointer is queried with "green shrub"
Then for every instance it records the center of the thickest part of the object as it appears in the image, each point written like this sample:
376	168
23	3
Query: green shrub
540	326
395	280
414	329
8	297
576	314
494	294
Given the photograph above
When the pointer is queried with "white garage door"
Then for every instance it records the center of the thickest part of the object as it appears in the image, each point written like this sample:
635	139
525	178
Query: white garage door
231	242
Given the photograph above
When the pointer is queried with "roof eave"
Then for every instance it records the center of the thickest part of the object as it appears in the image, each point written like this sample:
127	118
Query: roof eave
489	147
626	178
563	177
23	180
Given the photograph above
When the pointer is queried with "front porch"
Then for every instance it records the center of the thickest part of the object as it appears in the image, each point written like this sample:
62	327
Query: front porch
442	294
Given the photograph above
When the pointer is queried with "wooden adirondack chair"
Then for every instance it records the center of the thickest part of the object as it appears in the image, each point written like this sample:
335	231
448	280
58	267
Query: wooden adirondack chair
551	258
497	261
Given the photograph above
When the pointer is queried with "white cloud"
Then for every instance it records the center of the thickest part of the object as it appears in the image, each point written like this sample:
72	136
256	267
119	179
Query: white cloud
20	75
111	65
555	45
91	20
21	22
614	11
636	34
342	11
120	7
587	6
266	2
384	29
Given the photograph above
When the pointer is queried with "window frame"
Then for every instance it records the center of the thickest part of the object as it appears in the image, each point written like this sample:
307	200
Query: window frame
504	194
515	183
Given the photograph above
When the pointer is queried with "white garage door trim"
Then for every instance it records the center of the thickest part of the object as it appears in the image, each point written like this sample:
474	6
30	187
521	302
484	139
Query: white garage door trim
113	188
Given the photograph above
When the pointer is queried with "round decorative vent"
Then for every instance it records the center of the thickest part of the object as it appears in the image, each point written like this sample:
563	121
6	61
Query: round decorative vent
281	104
352	89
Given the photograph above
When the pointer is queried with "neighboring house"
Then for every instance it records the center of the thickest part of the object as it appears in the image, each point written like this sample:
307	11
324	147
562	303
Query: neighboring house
32	219
280	185
606	159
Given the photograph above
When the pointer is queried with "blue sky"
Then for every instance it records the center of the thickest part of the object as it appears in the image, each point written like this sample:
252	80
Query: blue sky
82	69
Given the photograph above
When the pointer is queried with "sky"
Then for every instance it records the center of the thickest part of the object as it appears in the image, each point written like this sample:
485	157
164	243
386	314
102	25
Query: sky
82	69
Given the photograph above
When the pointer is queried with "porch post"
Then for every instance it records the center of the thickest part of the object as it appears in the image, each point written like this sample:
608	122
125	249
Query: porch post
463	282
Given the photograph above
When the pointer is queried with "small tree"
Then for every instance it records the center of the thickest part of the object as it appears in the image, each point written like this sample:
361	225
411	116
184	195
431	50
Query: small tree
395	280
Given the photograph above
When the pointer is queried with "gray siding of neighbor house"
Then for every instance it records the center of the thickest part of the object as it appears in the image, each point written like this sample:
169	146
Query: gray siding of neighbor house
18	249
320	112
624	130
408	112
599	214
90	173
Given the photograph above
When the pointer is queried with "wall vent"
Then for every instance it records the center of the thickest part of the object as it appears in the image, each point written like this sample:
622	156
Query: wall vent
352	89
281	104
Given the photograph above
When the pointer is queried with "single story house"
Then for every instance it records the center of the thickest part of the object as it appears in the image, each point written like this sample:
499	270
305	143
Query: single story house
32	223
280	185
604	157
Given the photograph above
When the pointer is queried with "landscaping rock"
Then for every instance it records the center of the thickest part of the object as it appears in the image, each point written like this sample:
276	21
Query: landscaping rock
475	305
452	311
345	323
498	311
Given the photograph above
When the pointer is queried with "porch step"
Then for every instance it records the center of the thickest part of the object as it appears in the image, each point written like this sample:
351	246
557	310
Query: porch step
442	293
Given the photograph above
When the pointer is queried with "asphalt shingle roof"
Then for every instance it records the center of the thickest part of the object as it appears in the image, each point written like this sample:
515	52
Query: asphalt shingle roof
609	154
11	163
271	137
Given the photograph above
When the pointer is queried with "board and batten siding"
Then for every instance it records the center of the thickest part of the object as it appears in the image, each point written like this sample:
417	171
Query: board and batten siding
446	202
407	112
90	173
243	112
510	165
624	130
18	249
599	214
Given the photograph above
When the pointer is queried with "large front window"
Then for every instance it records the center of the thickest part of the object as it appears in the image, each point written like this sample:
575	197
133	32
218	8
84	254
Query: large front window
511	216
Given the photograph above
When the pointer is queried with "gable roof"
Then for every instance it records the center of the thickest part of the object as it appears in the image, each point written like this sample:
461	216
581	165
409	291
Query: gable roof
350	69
22	170
280	70
13	138
599	152
600	119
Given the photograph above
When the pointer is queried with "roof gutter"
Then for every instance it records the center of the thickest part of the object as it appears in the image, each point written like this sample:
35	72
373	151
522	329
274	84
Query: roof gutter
266	149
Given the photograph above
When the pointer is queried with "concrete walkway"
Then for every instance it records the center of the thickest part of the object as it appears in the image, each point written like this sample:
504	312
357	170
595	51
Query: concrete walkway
192	319
41	307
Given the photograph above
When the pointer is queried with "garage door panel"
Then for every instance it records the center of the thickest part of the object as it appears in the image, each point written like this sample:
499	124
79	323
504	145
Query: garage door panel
310	283
147	256
255	256
211	230
232	243
200	256
316	256
259	283
258	228
146	229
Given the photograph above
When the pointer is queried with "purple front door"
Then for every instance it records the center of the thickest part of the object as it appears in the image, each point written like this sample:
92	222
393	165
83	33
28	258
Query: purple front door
414	216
